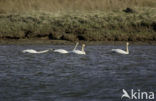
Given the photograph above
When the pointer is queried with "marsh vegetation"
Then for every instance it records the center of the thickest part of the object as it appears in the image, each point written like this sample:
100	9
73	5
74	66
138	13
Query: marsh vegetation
89	20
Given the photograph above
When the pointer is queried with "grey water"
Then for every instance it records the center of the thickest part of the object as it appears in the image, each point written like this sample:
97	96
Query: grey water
97	76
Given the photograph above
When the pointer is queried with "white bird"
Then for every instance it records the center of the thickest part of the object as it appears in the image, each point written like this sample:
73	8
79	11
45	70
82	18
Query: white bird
62	51
34	51
120	51
79	51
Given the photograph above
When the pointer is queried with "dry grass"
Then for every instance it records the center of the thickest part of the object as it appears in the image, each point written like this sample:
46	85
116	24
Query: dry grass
91	26
68	5
90	20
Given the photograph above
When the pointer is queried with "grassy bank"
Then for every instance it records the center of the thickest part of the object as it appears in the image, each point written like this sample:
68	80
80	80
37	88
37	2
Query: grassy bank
89	26
99	20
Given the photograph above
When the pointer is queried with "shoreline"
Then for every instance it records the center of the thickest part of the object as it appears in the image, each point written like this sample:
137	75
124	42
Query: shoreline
65	42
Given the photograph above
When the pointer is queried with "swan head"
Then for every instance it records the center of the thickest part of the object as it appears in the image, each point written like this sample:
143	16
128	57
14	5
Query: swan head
83	45
127	43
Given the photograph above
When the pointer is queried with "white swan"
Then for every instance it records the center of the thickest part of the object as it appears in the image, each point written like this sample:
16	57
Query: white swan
80	51
120	51
34	51
63	51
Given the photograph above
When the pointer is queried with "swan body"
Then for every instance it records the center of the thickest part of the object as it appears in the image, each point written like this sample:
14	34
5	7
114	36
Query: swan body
62	51
34	51
81	52
120	51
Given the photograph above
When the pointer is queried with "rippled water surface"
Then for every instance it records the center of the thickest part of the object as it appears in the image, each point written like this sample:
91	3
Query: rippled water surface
97	76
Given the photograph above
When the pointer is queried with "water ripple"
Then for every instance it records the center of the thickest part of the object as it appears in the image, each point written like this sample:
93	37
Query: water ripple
97	76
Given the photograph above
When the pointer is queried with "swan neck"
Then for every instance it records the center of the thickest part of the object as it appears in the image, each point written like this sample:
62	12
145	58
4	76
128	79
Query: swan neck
82	48
127	49
75	46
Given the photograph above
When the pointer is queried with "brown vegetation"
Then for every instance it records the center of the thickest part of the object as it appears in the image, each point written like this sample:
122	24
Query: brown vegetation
89	20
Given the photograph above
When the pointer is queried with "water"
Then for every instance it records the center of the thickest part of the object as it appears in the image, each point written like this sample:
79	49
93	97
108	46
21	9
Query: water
97	76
